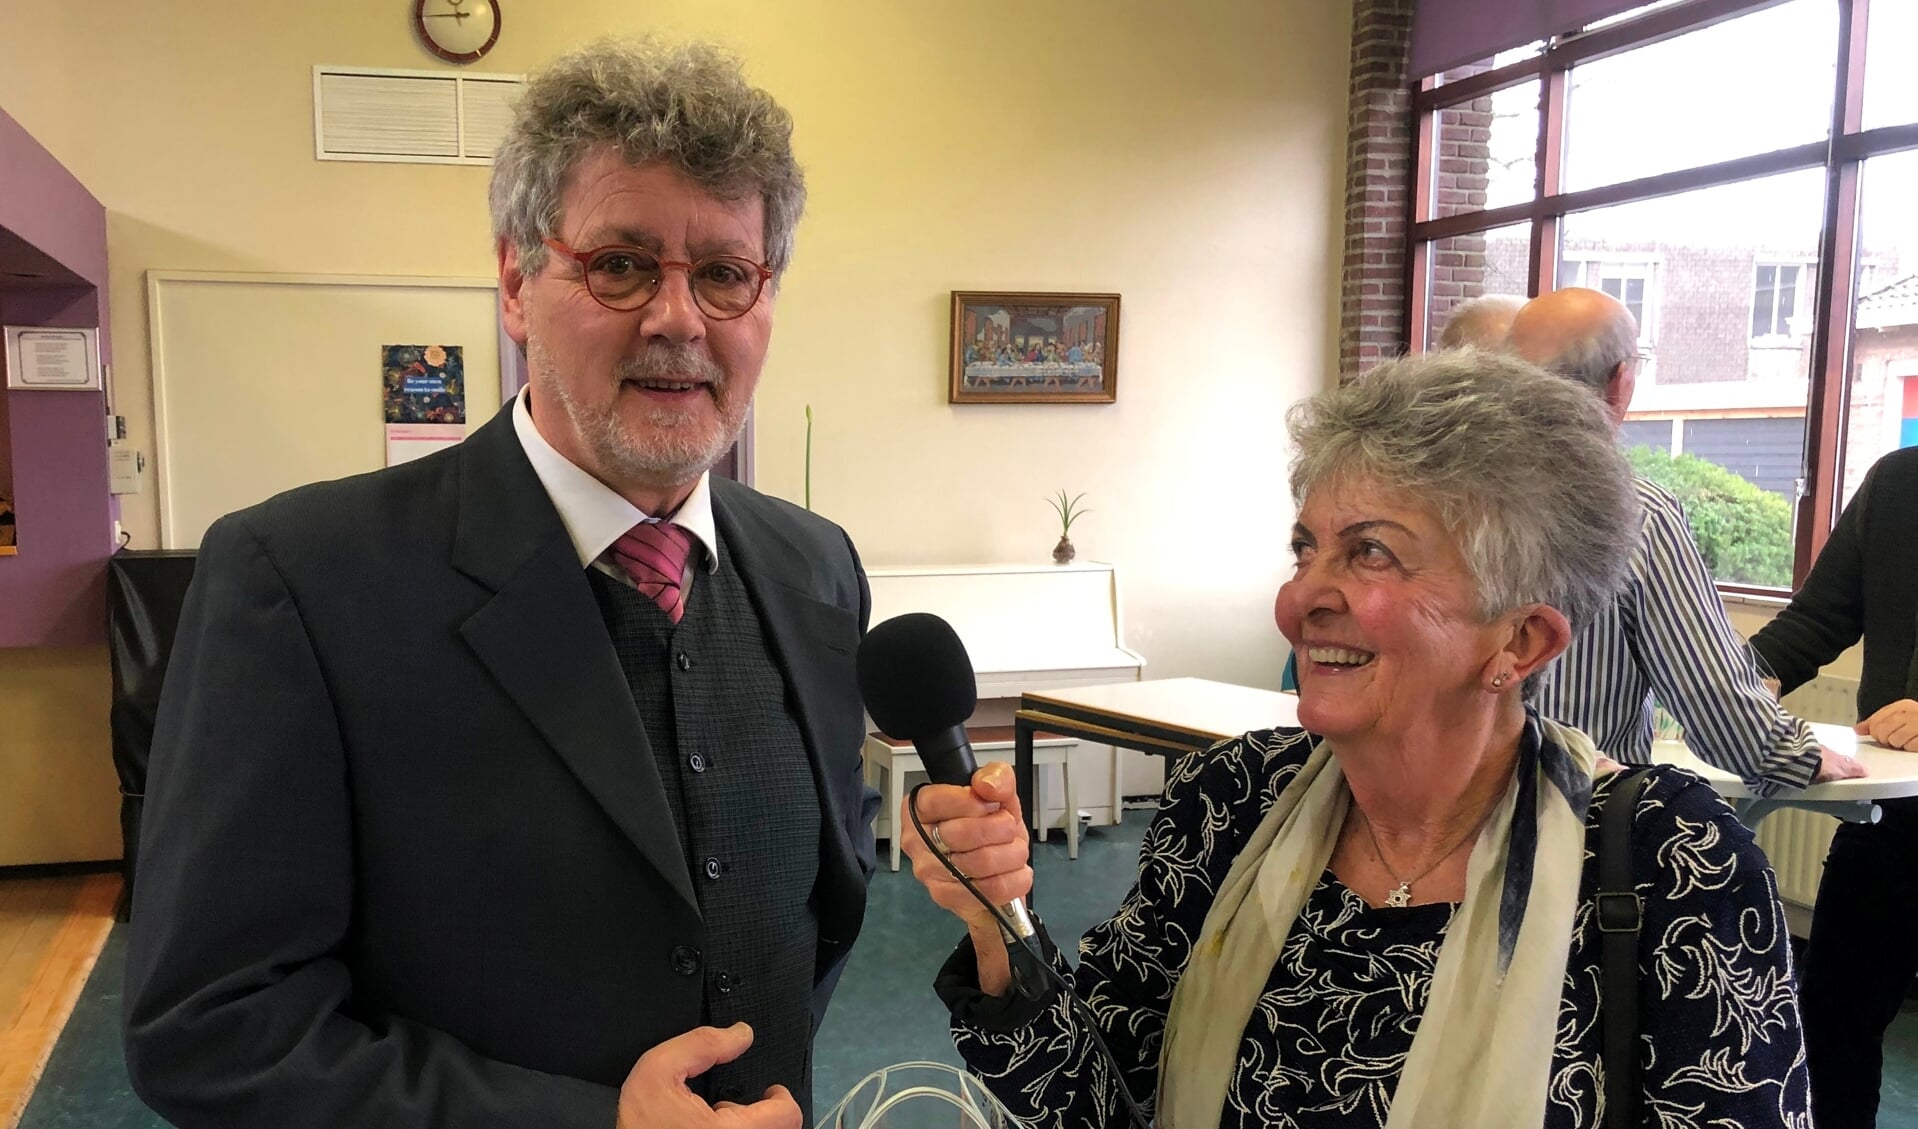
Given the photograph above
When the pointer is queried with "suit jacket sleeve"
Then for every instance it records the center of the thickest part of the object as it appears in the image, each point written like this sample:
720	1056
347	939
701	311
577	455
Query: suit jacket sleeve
239	1008
868	807
1828	613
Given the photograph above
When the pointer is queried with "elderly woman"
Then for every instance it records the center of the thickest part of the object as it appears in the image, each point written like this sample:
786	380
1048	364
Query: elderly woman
1387	918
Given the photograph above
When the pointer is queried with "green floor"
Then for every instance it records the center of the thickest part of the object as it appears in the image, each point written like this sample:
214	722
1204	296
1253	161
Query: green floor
884	1011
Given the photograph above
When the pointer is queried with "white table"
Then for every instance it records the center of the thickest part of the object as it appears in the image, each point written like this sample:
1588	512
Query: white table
1176	715
1890	775
1167	716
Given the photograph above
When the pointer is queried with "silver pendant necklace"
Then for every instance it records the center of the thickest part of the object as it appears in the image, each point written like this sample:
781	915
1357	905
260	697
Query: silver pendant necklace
1400	896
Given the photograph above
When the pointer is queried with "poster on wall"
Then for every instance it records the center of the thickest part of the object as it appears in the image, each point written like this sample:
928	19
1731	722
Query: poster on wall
423	390
424	383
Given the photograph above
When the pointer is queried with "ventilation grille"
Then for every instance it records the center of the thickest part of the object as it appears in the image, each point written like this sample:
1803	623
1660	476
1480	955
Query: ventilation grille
426	117
1829	701
1795	841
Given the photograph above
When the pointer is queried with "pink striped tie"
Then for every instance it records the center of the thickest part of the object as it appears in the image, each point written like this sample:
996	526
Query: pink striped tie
654	554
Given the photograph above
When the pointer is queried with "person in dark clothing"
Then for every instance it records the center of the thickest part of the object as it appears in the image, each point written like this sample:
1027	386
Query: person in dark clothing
519	785
1864	934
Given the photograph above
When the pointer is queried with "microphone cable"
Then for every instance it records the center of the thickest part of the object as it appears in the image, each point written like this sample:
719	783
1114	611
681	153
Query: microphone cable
1030	968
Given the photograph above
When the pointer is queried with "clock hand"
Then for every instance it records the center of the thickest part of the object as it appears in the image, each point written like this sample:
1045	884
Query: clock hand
445	15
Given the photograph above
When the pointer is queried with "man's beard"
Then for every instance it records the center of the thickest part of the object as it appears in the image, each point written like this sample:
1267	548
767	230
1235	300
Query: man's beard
677	452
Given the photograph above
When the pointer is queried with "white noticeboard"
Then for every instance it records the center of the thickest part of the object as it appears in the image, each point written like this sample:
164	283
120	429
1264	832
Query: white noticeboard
262	383
40	358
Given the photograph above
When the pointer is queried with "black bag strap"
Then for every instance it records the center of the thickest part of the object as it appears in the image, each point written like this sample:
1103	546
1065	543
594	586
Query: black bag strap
1620	913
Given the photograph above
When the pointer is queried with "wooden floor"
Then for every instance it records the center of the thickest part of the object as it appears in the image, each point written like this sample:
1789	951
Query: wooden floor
51	932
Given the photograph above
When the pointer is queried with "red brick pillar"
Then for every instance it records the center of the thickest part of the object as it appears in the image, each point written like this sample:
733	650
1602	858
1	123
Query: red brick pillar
1377	187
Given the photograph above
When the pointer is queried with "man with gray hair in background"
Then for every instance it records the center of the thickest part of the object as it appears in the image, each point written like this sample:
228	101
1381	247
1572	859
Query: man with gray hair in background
1666	633
1481	322
520	785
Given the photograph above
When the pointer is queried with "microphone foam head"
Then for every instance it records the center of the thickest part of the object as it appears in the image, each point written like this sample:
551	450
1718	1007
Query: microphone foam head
916	677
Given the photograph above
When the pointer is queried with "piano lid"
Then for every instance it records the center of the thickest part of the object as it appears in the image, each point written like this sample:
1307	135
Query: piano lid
1021	624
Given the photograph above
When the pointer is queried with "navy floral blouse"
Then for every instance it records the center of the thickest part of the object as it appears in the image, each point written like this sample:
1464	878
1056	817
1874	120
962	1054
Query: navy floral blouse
1719	1041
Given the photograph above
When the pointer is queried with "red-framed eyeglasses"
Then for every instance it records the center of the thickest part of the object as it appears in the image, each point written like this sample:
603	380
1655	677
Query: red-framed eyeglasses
621	277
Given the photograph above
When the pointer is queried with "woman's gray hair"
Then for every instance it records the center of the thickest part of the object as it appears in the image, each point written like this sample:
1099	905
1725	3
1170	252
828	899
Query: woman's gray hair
688	106
1519	464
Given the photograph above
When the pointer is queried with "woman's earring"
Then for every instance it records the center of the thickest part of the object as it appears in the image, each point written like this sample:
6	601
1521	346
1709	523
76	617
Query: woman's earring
1498	680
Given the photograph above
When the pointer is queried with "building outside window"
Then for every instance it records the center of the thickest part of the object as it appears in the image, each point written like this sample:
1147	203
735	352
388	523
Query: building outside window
1773	271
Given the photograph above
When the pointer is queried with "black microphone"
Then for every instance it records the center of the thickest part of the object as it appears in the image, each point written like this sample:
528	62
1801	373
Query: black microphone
918	684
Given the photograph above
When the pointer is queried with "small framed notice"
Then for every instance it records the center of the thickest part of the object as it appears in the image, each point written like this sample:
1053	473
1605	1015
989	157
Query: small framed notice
40	358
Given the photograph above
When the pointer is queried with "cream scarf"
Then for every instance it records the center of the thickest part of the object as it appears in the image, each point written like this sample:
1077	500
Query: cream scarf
1483	1051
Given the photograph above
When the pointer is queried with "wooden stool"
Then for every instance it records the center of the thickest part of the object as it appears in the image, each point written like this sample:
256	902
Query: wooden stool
989	743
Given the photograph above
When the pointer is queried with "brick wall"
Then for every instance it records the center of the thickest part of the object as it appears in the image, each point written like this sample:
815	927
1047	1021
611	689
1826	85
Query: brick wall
1377	187
1460	268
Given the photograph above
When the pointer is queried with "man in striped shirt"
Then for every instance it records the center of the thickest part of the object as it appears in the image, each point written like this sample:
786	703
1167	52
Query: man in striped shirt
1666	633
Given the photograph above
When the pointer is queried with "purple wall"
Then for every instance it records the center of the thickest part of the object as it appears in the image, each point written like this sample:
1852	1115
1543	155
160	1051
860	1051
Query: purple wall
6	440
54	592
41	202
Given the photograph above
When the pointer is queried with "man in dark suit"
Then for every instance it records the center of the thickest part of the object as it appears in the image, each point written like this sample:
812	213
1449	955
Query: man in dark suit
520	785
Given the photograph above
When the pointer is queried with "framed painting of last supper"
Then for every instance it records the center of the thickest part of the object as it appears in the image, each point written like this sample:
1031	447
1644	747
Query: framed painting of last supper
1034	348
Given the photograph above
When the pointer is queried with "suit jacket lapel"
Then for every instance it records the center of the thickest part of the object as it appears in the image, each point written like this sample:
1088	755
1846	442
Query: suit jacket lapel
814	644
542	637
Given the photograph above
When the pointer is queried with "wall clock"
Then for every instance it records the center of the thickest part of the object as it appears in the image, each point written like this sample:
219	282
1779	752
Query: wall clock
459	31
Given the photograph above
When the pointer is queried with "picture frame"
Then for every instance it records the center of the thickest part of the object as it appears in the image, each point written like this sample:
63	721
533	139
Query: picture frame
52	358
1034	348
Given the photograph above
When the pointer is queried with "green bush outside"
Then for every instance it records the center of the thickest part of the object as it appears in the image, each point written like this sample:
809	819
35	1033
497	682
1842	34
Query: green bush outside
1743	532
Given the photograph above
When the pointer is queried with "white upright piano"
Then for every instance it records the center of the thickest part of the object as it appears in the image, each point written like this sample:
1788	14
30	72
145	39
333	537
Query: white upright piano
1030	627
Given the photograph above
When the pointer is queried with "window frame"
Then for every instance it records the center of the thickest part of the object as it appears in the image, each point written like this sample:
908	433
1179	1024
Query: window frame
1833	294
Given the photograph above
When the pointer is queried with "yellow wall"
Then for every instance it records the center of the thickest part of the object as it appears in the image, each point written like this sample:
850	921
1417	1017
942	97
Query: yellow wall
59	801
1189	157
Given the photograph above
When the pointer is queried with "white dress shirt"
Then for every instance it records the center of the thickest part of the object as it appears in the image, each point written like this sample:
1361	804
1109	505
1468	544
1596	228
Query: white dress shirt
595	515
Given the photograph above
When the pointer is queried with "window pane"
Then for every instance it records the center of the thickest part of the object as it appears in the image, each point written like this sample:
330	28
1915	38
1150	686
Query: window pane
1764	299
1748	85
1883	413
1630	14
1472	266
1503	58
1891	98
1691	264
1487	151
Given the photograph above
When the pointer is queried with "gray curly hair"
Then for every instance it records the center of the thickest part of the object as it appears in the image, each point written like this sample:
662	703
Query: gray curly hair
689	106
1518	463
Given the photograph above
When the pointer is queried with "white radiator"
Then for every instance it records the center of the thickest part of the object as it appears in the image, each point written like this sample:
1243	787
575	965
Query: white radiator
1796	841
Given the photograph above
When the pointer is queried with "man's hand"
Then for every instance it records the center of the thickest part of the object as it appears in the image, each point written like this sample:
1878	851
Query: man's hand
1833	765
1894	727
656	1096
